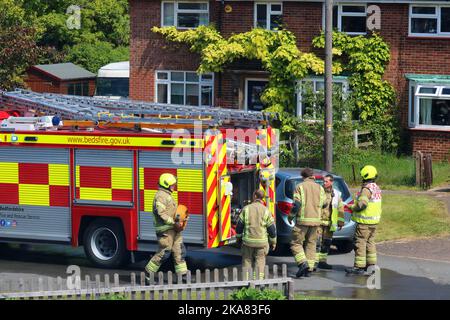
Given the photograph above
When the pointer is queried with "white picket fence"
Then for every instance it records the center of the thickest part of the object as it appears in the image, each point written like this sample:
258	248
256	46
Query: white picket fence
216	284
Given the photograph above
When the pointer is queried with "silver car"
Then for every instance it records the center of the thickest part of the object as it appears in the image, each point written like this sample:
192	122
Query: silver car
286	181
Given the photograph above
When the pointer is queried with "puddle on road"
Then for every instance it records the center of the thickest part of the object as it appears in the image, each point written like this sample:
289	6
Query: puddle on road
393	286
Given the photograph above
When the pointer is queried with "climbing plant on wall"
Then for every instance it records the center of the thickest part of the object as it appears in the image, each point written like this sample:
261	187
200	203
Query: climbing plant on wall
364	57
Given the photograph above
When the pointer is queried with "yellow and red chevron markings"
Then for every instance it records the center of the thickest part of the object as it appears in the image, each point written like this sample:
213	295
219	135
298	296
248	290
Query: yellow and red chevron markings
211	149
225	201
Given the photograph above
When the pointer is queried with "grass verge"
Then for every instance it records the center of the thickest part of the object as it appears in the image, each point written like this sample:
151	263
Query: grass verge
412	216
394	173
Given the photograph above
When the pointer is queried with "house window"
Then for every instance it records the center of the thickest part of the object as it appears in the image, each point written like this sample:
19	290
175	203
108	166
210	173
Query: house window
310	96
349	18
268	15
429	20
429	105
185	15
184	88
78	89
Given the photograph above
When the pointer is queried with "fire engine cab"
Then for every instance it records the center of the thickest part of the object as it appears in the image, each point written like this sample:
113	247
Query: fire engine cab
84	171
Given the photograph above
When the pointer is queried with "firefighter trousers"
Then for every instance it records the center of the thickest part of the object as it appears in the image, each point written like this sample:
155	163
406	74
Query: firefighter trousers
170	243
324	240
303	244
365	249
254	258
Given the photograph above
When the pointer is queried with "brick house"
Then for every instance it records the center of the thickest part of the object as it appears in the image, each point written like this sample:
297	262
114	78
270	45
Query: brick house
64	78
418	33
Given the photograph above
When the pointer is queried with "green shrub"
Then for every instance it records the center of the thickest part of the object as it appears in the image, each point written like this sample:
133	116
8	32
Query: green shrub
256	294
115	296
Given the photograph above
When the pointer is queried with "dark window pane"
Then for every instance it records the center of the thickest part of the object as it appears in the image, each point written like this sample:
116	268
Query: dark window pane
412	116
353	24
85	88
424	10
163	76
275	22
261	16
335	17
119	87
354	9
254	92
71	89
446	91
445	19
419	25
276	7
192	6
191	77
169	15
192	94
177	93
427	90
188	20
162	93
206	96
177	76
440	113
78	89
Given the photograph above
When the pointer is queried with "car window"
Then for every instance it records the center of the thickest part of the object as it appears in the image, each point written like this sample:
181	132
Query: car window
338	184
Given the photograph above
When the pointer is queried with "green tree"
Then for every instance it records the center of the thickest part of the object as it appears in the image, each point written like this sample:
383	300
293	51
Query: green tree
95	55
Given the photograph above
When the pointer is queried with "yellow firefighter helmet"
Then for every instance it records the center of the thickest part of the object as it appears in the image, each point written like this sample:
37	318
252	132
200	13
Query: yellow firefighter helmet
166	180
369	172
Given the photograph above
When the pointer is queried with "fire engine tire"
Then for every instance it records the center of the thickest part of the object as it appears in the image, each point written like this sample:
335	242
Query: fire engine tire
104	243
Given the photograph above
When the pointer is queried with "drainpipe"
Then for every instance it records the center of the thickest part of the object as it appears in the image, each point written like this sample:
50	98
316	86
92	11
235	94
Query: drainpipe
219	28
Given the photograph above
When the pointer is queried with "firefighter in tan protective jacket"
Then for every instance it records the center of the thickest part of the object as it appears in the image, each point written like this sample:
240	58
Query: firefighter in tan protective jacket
167	227
256	228
309	200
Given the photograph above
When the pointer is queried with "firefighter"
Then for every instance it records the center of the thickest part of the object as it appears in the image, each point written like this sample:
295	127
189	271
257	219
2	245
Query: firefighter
256	229
332	220
168	229
366	214
309	200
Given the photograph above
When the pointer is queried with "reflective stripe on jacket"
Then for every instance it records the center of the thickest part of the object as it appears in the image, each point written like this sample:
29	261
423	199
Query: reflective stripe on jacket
311	196
164	210
256	226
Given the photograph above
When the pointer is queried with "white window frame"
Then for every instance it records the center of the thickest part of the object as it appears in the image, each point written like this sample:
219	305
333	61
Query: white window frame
176	11
201	83
314	80
437	16
415	103
347	14
269	13
246	89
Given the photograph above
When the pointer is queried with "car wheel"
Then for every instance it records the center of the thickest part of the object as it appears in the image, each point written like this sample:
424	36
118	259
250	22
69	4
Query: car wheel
345	246
104	243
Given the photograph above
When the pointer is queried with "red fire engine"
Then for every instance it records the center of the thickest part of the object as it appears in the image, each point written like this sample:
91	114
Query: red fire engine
84	171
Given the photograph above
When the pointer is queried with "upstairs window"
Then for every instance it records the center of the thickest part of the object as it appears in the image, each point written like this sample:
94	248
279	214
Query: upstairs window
268	15
185	15
349	18
429	20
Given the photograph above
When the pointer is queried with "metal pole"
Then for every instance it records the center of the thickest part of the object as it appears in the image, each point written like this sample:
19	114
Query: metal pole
328	127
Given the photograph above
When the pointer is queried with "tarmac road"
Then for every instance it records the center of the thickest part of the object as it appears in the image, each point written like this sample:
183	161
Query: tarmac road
400	277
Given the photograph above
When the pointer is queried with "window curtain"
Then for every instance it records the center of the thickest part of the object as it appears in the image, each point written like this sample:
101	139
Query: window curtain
425	111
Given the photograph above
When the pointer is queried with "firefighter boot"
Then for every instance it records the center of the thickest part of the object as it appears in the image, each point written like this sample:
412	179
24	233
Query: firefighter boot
302	270
324	265
355	270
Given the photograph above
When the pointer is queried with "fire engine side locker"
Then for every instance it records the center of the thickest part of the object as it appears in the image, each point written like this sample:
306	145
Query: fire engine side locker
190	192
34	194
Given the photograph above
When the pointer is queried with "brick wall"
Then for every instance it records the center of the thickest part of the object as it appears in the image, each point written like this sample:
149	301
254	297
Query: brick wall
436	143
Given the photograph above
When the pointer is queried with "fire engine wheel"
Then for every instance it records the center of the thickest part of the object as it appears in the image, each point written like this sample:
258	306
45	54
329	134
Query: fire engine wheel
104	243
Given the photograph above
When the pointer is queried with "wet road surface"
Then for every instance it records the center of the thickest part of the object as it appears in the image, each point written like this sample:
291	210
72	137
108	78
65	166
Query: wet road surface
400	278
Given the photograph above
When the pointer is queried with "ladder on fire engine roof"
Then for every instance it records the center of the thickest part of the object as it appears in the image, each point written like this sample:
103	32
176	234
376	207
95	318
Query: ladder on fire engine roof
130	112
